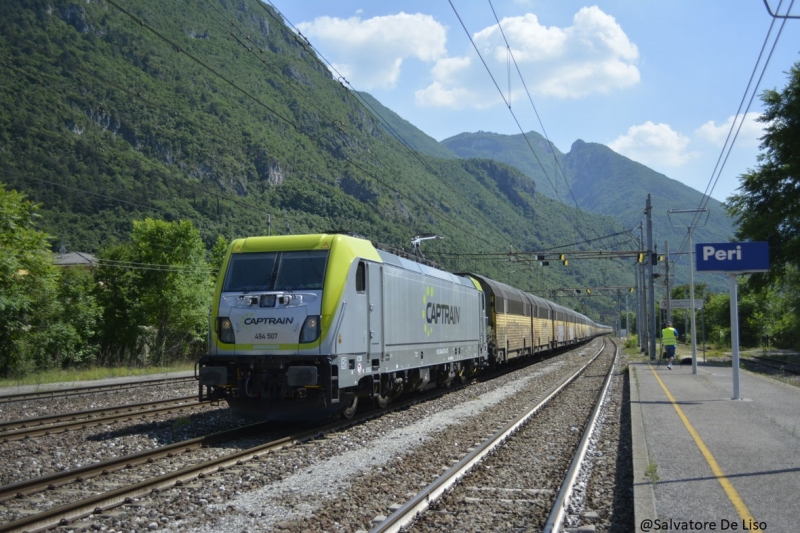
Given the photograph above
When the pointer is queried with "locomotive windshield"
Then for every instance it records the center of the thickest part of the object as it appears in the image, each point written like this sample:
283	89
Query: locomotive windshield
276	271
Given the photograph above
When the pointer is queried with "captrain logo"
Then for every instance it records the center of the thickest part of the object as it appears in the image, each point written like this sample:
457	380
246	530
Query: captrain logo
435	313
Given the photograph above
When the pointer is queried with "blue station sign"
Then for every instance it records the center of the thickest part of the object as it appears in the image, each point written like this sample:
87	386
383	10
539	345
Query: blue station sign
732	257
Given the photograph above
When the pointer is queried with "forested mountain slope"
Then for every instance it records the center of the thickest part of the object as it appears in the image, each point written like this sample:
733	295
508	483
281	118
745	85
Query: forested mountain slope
213	111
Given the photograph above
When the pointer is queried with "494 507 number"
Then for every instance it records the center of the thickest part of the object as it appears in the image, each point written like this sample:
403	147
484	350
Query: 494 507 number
267	336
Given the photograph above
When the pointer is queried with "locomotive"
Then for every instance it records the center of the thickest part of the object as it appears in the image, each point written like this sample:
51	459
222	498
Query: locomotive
305	326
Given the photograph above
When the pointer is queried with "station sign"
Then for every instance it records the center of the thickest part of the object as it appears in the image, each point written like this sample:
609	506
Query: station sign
732	257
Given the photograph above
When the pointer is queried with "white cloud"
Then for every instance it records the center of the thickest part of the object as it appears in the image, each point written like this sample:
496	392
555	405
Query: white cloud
592	56
749	134
654	145
376	48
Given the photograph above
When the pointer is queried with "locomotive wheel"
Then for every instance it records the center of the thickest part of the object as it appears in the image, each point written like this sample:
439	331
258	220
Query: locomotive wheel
381	400
350	410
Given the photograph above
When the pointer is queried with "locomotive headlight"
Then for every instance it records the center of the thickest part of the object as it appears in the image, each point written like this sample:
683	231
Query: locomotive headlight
225	330
310	330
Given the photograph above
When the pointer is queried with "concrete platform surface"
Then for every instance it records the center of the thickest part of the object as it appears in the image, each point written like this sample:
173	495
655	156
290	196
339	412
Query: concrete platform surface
705	462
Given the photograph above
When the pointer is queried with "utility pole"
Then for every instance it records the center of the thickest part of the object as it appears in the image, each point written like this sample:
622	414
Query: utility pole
689	229
627	318
666	276
651	289
638	307
642	296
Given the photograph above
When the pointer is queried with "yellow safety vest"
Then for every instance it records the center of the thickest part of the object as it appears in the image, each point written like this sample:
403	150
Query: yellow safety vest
669	336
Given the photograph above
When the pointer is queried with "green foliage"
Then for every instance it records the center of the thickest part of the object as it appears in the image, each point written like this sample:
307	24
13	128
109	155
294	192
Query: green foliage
413	137
66	337
652	472
156	294
632	342
766	210
766	207
217	255
27	278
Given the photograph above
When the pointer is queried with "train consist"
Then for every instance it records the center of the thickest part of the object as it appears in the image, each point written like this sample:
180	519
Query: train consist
305	326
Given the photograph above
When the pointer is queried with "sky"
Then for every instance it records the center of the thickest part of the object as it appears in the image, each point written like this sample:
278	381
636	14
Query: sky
658	81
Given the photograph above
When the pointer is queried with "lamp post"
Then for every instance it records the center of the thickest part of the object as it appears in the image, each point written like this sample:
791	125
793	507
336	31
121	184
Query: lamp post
689	229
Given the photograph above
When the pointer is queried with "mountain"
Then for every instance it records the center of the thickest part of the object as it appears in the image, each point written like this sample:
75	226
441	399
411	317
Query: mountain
216	112
598	180
603	181
405	132
530	153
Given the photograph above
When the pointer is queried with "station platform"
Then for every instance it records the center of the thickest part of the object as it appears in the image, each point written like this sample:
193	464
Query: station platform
705	462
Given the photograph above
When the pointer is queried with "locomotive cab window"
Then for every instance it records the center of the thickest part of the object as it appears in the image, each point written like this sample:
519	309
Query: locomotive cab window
276	271
301	271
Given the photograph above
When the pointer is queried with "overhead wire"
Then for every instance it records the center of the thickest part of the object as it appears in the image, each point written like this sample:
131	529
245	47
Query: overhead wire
727	148
545	250
530	99
353	93
360	101
514	116
152	105
178	48
134	265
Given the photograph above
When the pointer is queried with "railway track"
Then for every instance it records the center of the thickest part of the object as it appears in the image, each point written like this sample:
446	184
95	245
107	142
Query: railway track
30	519
788	368
52	424
93	389
486	481
181	486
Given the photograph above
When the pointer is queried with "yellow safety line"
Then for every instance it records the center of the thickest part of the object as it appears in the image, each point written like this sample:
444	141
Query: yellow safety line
733	496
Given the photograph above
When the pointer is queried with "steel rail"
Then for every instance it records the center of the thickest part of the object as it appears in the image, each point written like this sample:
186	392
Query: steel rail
28	487
790	368
555	520
92	422
90	389
76	415
108	500
64	514
420	503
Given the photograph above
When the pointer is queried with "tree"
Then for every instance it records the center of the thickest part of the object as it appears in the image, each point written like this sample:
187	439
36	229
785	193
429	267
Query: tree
27	276
64	329
767	207
156	293
217	255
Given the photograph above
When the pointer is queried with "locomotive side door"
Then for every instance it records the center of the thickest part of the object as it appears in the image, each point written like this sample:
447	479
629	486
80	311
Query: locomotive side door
482	323
375	310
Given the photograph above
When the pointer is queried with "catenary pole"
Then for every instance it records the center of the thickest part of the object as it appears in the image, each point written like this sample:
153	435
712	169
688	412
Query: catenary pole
651	289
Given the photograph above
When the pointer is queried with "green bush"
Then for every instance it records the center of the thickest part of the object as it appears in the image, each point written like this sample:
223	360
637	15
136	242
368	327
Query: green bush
632	342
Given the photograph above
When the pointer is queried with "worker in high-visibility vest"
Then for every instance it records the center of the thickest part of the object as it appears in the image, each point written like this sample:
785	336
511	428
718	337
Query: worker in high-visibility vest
669	339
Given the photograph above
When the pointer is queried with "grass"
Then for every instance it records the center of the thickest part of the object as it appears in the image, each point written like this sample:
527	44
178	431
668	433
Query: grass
652	472
90	374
